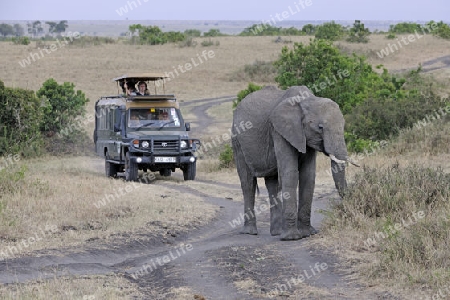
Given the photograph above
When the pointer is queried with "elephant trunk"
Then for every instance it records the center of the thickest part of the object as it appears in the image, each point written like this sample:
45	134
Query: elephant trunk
338	172
334	146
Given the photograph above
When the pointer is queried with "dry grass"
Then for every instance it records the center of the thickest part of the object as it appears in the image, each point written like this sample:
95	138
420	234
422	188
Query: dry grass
413	260
63	192
410	56
68	288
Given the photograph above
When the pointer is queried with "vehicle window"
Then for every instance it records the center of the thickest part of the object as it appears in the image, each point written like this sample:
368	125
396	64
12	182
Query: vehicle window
158	115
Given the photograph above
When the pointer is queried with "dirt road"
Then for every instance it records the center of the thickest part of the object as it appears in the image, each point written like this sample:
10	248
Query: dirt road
212	262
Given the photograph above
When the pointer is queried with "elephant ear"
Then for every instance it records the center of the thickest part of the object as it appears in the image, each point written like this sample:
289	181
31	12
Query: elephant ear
286	119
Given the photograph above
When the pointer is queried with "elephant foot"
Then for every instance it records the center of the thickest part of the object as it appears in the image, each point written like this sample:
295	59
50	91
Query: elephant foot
249	229
294	234
275	231
312	230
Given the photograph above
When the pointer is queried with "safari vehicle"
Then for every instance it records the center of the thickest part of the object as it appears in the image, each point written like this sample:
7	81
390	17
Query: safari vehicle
143	132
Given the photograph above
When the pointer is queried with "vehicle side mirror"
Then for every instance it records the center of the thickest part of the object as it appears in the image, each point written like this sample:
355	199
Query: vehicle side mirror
187	126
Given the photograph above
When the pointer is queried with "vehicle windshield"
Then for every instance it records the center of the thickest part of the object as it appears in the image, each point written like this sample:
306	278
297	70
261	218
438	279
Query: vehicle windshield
153	117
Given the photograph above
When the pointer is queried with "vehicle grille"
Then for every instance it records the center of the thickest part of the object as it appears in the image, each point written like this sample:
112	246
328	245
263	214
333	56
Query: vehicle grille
166	145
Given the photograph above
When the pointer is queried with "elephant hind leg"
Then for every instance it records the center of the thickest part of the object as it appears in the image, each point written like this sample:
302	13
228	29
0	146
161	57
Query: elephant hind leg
248	189
276	205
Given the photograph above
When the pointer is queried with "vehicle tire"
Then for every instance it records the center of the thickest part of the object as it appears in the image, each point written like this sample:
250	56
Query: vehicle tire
110	168
189	171
165	172
131	169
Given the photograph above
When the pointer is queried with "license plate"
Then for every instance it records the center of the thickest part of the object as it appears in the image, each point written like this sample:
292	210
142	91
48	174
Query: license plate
164	159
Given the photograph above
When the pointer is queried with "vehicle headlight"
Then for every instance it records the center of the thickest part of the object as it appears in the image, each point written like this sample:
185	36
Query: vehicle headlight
145	144
184	144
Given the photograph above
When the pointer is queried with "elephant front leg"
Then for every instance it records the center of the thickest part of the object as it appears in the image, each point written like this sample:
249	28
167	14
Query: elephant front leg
276	206
290	207
307	179
287	164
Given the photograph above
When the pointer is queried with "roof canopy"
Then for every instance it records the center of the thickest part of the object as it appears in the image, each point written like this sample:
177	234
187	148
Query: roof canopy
141	77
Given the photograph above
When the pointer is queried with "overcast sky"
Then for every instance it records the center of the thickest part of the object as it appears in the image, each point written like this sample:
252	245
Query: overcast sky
225	10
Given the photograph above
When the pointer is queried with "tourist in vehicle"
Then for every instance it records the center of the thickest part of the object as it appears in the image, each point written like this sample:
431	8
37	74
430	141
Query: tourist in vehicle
164	117
130	90
134	119
142	86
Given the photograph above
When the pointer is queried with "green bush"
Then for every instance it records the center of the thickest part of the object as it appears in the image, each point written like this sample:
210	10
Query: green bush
269	30
206	43
309	29
329	31
391	36
151	35
382	117
439	29
213	32
62	105
358	34
242	94
22	40
226	157
192	32
348	80
20	119
405	27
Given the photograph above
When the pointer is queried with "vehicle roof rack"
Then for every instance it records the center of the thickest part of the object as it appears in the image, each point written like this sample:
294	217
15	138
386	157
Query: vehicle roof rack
135	77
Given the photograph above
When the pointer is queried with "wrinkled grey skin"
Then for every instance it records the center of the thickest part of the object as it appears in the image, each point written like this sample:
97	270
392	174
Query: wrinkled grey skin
288	127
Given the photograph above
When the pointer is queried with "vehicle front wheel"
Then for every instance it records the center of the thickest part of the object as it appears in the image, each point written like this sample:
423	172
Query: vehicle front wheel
110	168
131	169
189	171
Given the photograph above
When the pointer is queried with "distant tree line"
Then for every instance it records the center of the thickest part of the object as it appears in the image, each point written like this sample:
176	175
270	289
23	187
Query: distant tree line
153	35
358	33
34	29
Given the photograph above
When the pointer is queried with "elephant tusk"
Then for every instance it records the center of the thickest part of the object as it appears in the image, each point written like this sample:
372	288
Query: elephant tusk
333	158
352	162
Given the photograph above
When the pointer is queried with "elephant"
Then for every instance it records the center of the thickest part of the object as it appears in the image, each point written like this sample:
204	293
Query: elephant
287	129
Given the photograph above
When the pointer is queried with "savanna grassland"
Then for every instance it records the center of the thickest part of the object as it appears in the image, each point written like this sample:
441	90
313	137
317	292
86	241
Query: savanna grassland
63	191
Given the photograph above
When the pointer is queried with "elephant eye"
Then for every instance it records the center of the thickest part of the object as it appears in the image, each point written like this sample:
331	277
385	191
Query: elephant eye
320	126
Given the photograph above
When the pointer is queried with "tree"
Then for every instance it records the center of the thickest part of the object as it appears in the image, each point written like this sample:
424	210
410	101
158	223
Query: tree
358	34
6	29
135	27
329	31
63	104
61	26
309	29
51	27
152	35
18	30
37	28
